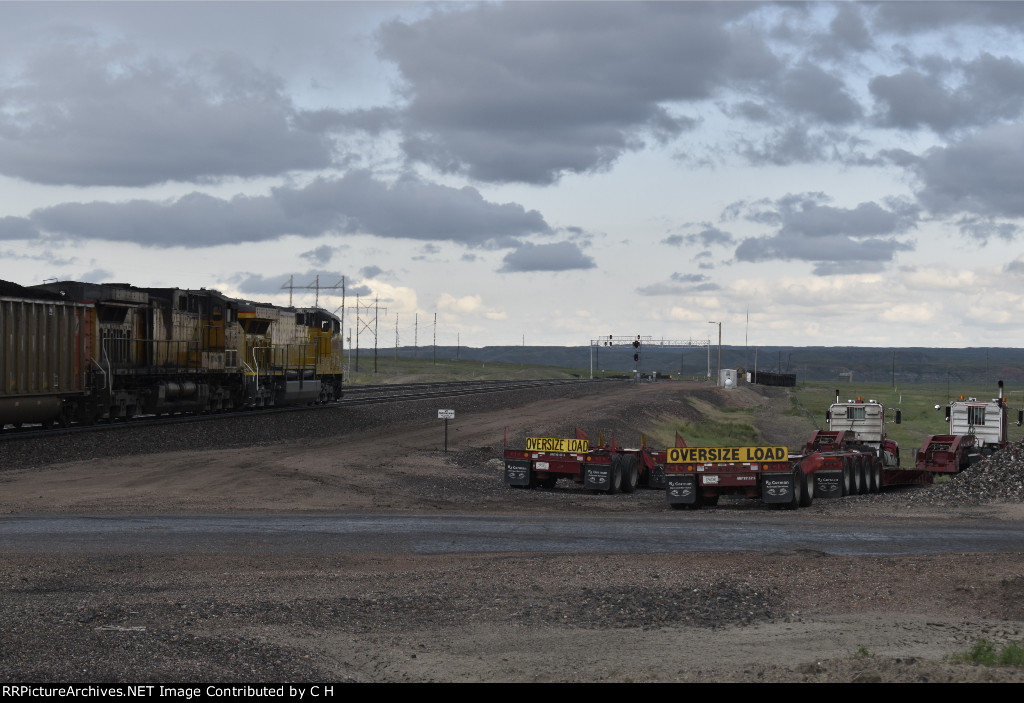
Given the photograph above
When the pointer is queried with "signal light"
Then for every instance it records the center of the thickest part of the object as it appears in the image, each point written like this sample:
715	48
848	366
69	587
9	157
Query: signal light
636	357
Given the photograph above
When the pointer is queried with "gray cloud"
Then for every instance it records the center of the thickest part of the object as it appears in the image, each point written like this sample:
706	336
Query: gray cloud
17	228
951	95
706	237
299	284
981	174
370	271
355	203
841	240
90	116
809	90
939	14
493	95
321	255
680	284
983	229
559	256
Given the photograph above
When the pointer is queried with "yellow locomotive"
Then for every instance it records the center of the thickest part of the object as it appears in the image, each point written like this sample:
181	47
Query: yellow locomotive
119	351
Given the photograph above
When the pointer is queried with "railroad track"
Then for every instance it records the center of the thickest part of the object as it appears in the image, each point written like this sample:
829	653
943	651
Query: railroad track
353	396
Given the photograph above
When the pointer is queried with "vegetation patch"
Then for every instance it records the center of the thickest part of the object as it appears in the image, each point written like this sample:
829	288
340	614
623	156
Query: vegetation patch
985	653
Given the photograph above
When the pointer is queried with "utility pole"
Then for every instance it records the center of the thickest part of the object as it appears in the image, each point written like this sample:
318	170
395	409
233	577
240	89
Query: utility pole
362	324
719	379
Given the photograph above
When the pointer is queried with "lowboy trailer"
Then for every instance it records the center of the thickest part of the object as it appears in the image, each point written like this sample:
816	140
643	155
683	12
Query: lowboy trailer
607	468
853	456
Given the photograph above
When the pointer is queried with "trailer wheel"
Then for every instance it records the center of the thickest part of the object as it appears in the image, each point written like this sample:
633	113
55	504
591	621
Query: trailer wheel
876	476
709	501
806	489
630	473
847	483
855	474
615	475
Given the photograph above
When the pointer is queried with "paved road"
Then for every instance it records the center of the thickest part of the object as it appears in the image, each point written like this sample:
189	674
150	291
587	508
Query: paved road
417	534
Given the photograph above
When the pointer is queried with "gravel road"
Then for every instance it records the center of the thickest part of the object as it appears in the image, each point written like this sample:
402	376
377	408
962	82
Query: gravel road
244	615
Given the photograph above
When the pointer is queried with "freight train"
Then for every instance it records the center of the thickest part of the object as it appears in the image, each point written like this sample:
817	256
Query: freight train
74	352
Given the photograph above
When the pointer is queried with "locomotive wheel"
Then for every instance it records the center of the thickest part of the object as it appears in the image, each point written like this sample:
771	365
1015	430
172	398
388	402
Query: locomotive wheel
630	473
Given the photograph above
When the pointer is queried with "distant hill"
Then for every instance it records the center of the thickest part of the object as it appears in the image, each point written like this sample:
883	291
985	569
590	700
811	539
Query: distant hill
912	365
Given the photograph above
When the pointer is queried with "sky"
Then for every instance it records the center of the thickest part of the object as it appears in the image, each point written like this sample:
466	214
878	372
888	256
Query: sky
538	173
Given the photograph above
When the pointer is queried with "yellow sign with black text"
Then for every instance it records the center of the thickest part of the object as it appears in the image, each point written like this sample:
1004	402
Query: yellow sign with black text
725	455
556	444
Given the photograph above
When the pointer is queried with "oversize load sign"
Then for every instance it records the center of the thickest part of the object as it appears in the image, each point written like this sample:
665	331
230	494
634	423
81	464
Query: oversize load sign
554	444
725	455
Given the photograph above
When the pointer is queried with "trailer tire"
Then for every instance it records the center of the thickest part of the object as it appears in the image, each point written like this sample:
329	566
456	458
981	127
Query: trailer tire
855	474
798	491
876	476
807	489
547	481
709	501
630	473
615	476
847	482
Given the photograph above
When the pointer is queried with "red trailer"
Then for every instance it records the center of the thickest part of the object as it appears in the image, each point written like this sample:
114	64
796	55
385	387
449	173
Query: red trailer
608	468
853	456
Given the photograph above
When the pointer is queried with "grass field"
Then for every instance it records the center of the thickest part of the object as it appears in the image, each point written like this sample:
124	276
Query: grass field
721	427
917	406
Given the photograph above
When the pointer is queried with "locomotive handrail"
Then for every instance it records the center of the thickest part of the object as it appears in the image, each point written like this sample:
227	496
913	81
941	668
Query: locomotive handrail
100	367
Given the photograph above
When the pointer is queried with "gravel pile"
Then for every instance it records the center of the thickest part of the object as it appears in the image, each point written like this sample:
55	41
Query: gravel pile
999	478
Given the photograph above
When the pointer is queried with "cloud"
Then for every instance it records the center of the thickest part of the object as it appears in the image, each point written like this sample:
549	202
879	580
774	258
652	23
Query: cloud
107	116
355	203
951	95
370	271
840	240
680	284
982	174
17	228
321	255
708	236
560	256
530	91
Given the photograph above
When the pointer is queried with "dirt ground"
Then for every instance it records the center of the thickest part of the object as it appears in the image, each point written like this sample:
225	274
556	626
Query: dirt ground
246	616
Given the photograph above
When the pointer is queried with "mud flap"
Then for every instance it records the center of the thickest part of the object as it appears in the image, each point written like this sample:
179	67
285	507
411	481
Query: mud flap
827	484
777	488
517	472
681	490
598	477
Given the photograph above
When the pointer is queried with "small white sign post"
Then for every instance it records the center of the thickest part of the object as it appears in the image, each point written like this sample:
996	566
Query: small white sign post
446	415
